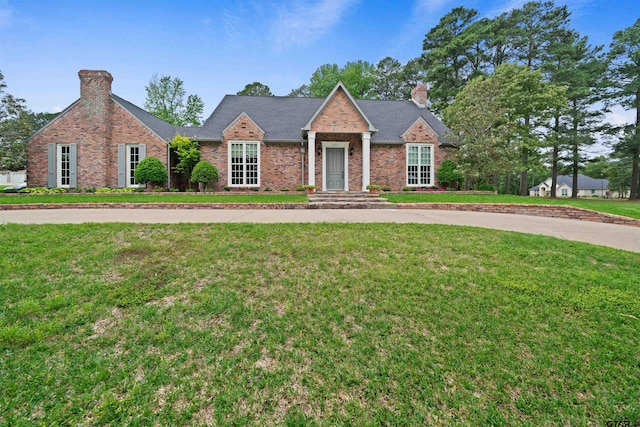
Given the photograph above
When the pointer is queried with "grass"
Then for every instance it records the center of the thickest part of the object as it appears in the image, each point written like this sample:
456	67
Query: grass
618	207
153	198
314	324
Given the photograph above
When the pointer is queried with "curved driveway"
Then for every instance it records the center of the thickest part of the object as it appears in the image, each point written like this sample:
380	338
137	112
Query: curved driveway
615	236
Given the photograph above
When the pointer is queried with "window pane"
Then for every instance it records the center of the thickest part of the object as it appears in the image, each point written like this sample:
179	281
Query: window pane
134	159
244	163
65	165
412	156
425	155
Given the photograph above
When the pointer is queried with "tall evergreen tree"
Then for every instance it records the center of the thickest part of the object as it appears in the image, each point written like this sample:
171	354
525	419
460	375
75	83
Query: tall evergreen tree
624	54
575	64
445	56
534	27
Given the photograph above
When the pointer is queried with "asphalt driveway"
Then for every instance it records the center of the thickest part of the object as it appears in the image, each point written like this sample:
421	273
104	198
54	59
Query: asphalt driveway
615	236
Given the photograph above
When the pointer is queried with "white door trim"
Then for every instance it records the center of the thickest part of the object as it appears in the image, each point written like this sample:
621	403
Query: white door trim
335	144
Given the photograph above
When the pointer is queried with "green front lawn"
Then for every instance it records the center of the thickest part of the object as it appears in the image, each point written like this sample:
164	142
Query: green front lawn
303	324
618	207
153	198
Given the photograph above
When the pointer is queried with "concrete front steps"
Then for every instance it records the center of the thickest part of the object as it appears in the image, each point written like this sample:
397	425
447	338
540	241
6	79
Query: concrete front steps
347	200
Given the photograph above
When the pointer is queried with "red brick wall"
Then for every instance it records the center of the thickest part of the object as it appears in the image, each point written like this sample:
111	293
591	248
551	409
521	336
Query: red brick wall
280	164
339	115
128	130
388	162
97	159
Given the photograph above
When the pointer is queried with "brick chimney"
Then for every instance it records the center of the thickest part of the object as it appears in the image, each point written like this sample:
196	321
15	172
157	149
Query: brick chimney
96	111
419	95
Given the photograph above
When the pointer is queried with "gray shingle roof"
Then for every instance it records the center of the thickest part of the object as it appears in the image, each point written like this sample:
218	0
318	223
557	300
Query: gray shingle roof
163	129
584	182
282	118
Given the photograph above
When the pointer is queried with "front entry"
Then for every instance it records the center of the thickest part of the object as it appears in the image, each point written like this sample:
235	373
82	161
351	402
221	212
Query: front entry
335	168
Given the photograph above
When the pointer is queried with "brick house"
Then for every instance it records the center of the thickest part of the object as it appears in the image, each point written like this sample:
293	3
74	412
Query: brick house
335	143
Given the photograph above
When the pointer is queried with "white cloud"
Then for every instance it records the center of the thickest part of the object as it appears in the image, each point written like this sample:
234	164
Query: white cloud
302	23
619	116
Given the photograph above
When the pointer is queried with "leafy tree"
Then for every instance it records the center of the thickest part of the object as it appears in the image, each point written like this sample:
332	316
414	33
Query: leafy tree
449	175
188	152
388	79
487	117
150	169
618	171
16	126
479	118
597	167
413	74
323	80
301	92
256	89
624	54
357	76
531	102
165	100
204	173
393	81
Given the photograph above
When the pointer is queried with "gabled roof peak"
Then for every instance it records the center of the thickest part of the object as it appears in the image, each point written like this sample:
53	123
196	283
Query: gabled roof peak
351	99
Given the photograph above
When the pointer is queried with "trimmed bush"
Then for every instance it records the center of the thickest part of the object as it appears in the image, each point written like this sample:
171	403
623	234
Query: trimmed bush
449	175
150	169
204	173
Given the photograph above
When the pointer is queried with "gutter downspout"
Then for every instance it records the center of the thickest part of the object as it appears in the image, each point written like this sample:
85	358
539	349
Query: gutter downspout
168	168
302	151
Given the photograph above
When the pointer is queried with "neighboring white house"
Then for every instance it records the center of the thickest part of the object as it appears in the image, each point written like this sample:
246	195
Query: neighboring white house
587	187
12	178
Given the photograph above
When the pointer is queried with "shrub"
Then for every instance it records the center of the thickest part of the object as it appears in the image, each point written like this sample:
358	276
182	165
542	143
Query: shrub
113	190
449	175
267	189
188	152
300	188
42	190
385	188
284	189
486	187
204	173
150	169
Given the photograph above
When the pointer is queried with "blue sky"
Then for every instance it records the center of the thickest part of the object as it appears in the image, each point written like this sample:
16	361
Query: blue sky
217	47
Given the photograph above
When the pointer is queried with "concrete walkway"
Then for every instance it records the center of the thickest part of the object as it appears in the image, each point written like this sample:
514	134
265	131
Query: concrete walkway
615	236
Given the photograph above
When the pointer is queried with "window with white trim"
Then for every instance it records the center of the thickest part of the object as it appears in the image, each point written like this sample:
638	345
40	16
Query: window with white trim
419	165
133	159
244	163
64	166
565	192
